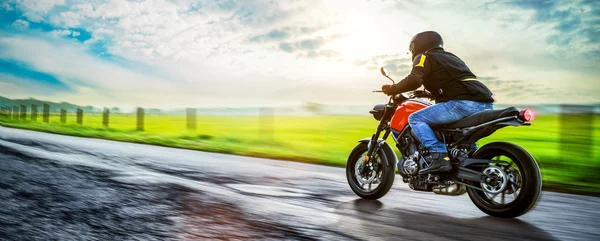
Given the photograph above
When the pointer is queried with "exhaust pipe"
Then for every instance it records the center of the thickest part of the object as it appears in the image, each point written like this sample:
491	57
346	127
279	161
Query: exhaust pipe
453	189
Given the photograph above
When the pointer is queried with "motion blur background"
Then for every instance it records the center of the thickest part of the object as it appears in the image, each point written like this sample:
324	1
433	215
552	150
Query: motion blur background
287	80
292	79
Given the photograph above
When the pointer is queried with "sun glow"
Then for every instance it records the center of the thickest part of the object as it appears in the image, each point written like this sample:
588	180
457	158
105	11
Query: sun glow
365	35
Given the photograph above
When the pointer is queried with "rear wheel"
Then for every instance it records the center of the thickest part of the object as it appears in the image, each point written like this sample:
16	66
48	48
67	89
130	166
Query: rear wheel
512	187
372	179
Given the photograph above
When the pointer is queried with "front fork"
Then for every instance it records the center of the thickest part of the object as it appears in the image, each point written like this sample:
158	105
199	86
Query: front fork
374	145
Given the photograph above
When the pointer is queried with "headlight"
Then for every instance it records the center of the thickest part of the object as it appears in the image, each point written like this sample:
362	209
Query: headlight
378	111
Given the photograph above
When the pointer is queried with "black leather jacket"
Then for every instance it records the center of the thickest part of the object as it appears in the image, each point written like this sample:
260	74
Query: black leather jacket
446	76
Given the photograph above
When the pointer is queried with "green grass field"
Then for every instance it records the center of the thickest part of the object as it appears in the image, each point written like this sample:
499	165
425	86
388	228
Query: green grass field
329	139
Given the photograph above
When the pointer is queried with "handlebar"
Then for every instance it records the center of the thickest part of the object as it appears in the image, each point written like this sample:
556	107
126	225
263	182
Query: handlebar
412	94
399	98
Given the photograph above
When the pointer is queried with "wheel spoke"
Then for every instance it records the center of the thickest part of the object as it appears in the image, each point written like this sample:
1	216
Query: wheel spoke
505	170
368	174
493	196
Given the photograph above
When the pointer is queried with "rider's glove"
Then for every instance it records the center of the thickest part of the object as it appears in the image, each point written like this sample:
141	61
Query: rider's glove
422	94
388	89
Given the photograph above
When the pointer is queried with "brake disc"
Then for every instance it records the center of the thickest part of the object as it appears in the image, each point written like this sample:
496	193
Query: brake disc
358	169
496	180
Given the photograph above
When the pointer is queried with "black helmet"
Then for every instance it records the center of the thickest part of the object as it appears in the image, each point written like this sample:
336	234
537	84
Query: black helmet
425	41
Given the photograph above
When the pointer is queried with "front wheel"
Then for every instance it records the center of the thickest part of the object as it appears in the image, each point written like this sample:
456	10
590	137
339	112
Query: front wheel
372	179
513	185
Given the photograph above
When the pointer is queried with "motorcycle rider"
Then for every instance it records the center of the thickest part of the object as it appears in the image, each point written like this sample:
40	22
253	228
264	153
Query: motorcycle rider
451	84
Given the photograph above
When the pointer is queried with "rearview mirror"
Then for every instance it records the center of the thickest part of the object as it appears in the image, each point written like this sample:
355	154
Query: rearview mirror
385	72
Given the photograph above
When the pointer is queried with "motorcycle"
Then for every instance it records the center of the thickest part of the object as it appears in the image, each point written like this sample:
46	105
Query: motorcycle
502	179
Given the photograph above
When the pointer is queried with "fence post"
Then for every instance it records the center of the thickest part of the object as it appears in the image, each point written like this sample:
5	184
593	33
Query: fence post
79	116
63	116
191	119
46	114
140	119
105	115
23	112
34	112
15	112
8	112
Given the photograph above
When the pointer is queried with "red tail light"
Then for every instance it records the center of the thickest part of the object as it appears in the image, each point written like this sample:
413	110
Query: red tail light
526	115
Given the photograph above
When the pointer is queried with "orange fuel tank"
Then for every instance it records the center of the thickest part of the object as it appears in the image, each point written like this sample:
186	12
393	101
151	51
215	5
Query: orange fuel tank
400	118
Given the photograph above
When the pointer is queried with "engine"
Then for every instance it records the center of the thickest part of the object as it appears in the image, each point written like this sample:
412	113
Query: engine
408	167
412	161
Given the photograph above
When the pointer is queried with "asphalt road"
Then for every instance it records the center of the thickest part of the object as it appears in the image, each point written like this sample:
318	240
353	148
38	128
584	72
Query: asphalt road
57	187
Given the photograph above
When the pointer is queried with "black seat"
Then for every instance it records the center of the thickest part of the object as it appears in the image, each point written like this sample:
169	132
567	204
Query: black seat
482	117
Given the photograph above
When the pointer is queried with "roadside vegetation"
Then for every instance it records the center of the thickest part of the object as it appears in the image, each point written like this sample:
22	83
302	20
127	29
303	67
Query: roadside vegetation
569	158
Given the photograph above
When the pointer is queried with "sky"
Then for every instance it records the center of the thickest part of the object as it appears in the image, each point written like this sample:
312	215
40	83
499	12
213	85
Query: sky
181	53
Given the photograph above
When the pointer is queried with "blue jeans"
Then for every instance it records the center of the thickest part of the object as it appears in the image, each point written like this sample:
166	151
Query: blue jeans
439	114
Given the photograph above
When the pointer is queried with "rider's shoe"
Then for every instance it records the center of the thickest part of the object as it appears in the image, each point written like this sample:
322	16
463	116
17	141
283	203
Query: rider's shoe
440	162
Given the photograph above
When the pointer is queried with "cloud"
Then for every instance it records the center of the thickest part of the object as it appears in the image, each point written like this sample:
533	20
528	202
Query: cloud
311	47
523	90
574	24
182	29
311	44
60	33
20	24
36	10
273	35
188	51
33	77
15	87
63	63
286	47
394	63
288	32
6	6
327	54
96	81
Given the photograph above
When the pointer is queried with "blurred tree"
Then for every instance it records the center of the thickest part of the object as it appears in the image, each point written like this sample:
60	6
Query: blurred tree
315	108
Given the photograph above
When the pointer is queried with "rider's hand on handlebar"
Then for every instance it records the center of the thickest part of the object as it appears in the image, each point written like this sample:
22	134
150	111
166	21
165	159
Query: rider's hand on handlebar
387	89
